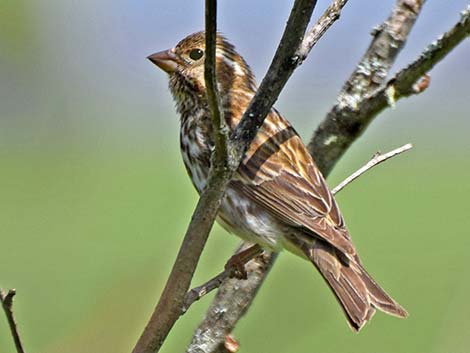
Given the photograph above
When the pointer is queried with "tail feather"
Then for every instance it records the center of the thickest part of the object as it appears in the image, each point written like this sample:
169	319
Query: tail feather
380	299
358	294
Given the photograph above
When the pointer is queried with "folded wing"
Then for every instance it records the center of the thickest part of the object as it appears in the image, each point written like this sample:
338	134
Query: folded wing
279	173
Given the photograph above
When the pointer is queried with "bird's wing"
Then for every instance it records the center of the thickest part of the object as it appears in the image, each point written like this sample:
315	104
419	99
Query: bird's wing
279	173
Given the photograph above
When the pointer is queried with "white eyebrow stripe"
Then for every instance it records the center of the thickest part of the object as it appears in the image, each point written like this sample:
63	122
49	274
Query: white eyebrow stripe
236	67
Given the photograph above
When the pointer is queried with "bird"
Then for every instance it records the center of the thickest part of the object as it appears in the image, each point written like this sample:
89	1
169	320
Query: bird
277	198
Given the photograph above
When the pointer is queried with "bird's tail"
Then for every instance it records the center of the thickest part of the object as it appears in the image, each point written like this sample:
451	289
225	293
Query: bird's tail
356	291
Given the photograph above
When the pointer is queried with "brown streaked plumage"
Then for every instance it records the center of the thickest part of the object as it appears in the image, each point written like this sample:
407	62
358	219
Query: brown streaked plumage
278	197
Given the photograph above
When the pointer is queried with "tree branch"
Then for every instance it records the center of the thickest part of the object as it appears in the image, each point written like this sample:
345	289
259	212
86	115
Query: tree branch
171	301
376	159
197	293
388	40
7	304
284	63
220	131
403	84
227	308
344	124
330	16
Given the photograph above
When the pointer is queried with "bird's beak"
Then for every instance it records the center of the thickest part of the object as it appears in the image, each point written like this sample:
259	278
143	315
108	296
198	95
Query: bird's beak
165	60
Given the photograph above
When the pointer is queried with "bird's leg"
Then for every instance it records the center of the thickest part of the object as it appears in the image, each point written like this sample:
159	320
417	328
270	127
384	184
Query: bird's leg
236	264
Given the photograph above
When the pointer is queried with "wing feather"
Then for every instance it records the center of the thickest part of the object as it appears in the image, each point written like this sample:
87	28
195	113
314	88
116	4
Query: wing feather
279	173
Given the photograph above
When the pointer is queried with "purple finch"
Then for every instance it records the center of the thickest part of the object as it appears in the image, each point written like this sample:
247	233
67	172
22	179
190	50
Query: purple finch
278	198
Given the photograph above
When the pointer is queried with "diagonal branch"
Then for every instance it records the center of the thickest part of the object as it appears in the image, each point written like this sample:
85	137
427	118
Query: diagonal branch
7	304
230	303
345	124
403	84
284	63
376	160
171	301
326	20
388	40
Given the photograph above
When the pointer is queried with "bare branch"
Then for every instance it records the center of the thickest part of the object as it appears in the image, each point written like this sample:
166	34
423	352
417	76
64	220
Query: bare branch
7	304
388	40
198	292
403	84
345	123
171	301
220	158
330	16
376	159
211	334
234	268
285	61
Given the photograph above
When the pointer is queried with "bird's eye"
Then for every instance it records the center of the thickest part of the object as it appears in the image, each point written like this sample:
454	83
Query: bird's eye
196	54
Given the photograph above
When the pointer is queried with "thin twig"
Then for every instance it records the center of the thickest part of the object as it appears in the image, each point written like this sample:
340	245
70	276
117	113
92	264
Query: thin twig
330	16
7	304
220	131
197	293
234	268
376	159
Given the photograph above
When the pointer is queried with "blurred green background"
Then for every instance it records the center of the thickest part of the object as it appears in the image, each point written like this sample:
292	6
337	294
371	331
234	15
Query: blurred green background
95	199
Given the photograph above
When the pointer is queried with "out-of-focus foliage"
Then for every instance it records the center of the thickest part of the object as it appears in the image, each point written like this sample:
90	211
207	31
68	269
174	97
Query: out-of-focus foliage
88	242
15	23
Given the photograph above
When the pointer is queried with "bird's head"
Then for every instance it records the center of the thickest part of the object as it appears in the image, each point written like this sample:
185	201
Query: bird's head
185	65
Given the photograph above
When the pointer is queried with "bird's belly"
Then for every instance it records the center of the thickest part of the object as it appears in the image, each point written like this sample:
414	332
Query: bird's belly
242	217
238	214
